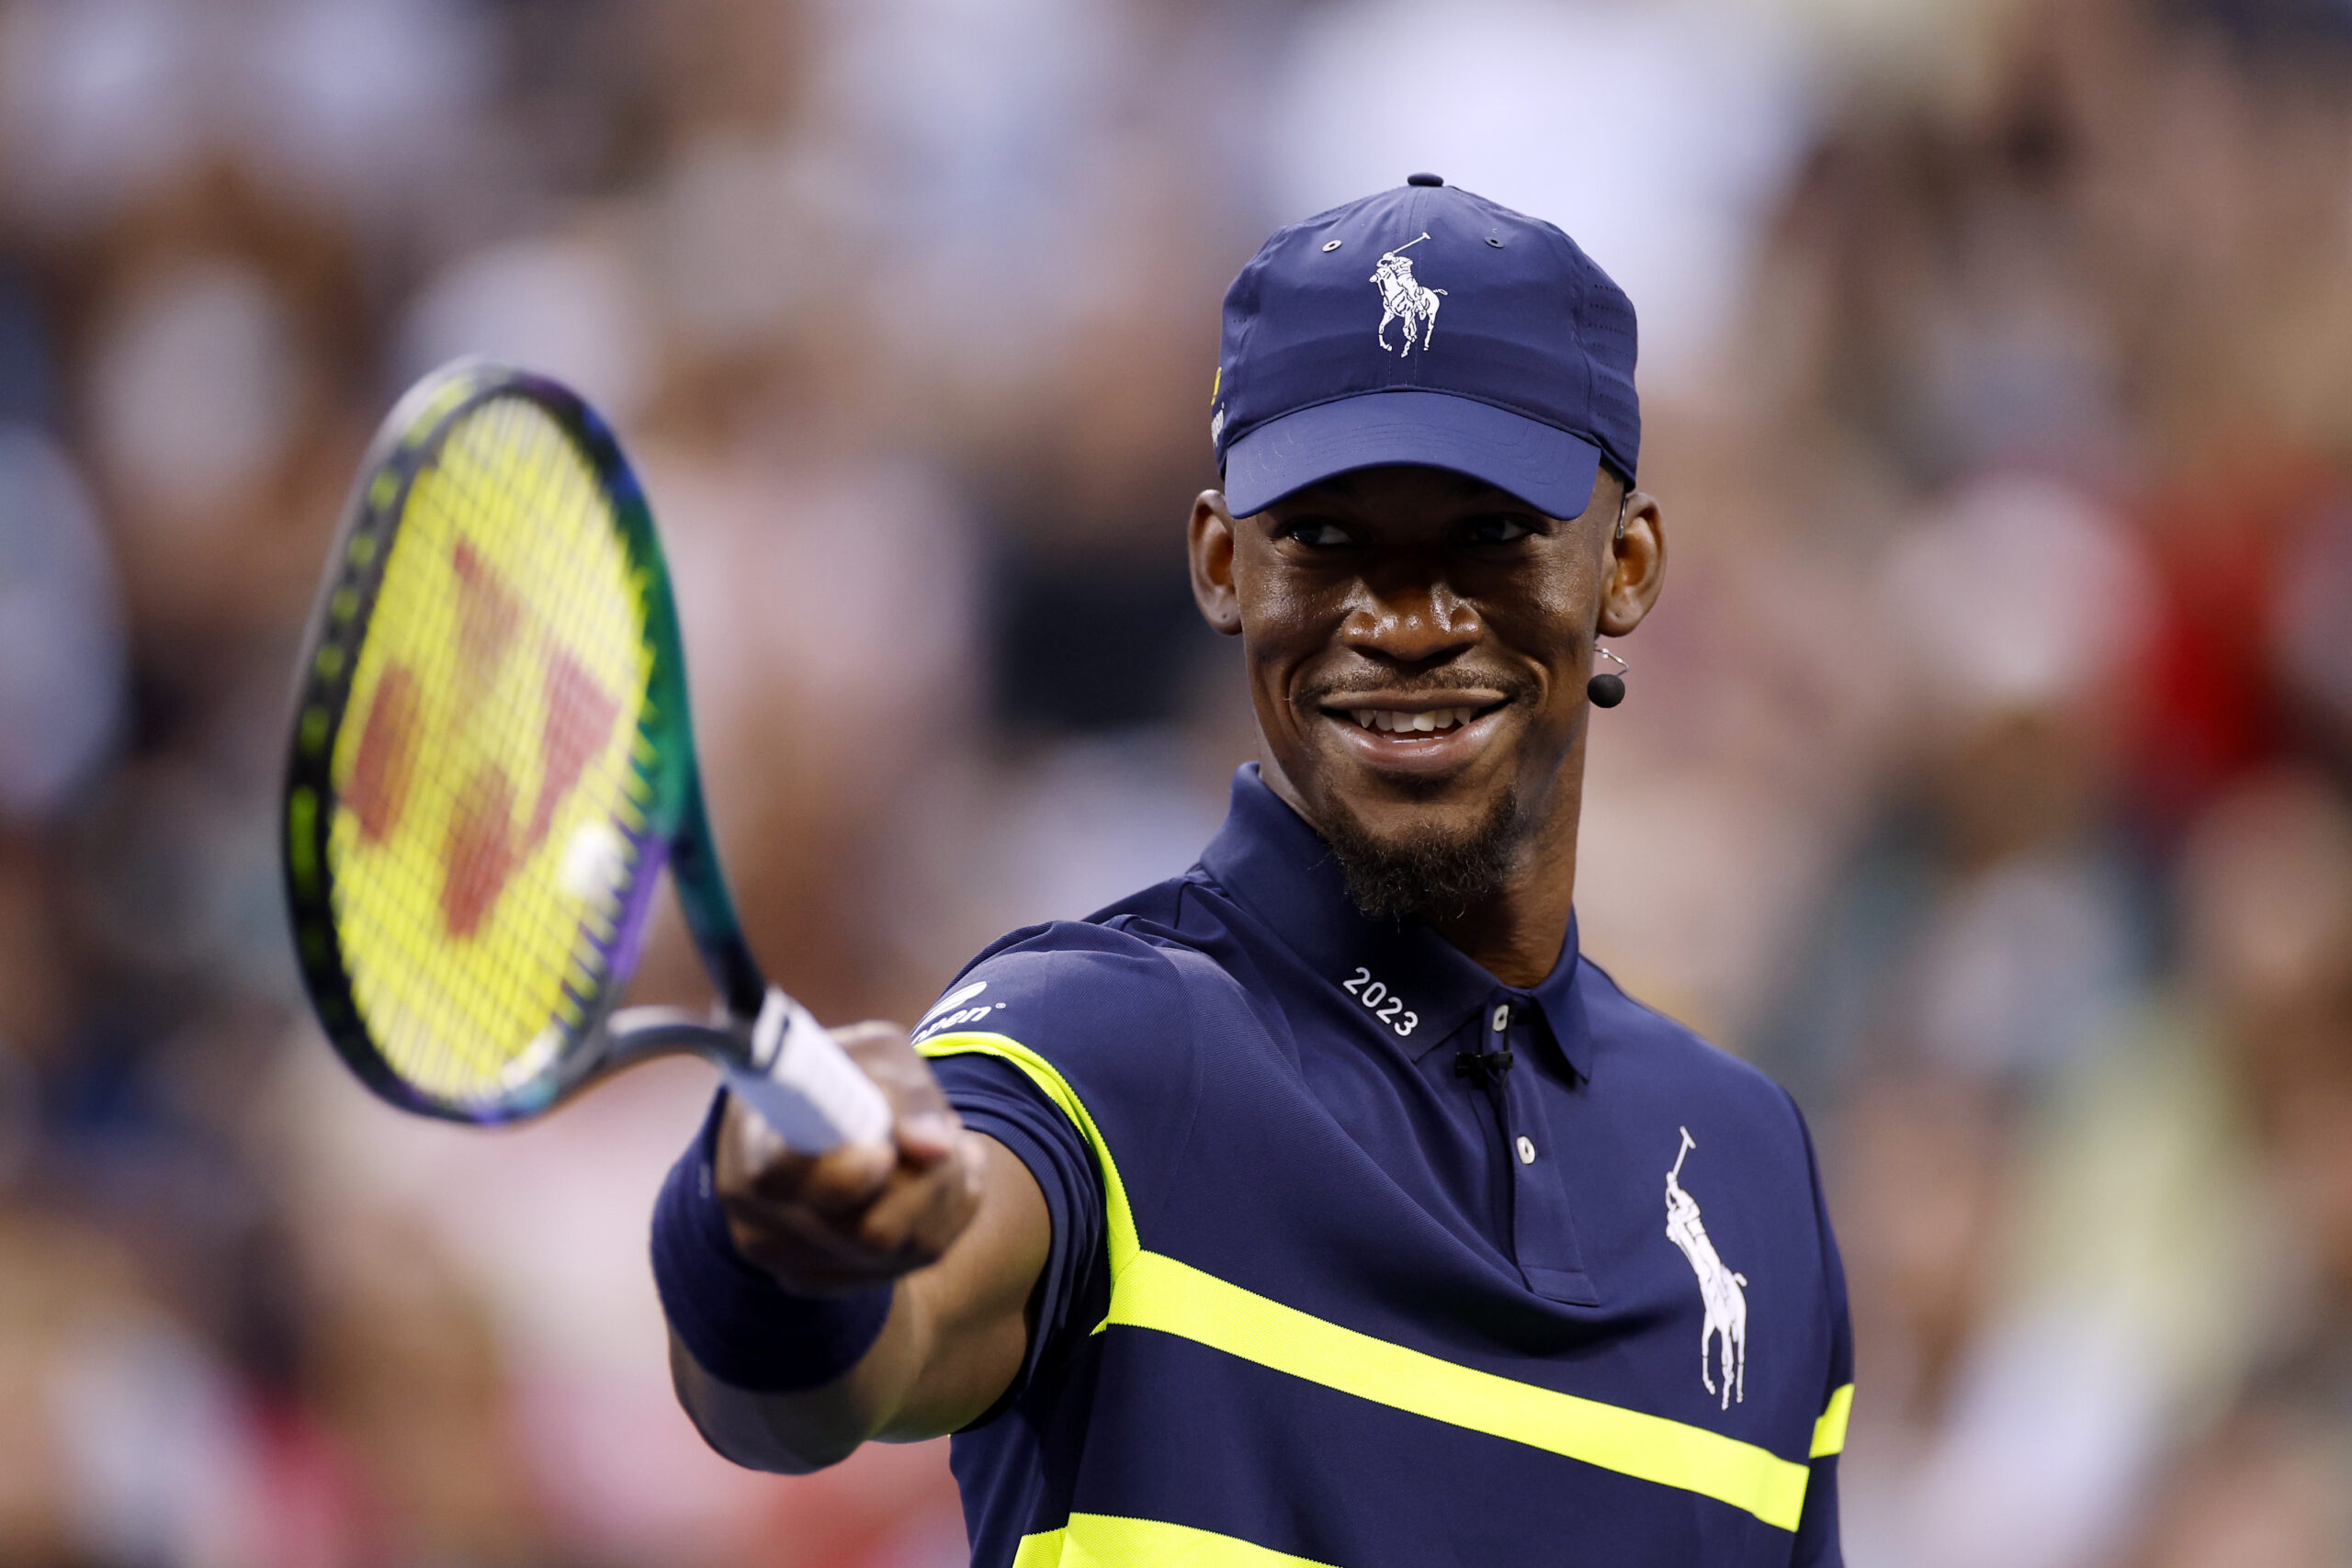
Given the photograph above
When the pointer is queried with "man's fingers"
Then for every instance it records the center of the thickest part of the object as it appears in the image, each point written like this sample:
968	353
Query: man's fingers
861	1213
924	1127
912	1223
927	1137
835	1185
918	1215
754	1162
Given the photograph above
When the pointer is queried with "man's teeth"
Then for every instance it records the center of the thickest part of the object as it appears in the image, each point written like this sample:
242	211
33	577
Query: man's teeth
1391	719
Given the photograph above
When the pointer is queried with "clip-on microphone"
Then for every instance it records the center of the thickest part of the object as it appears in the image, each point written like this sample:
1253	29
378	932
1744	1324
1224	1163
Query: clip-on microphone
1491	1064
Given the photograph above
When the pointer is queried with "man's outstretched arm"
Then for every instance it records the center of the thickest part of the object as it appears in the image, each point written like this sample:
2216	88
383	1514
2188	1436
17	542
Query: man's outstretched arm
947	1222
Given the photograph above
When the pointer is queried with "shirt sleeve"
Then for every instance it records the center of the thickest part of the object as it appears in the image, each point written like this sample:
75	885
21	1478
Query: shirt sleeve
1073	1045
1817	1544
992	1096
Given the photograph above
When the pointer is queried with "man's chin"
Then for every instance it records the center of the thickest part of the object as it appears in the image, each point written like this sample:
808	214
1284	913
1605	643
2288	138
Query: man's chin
1432	858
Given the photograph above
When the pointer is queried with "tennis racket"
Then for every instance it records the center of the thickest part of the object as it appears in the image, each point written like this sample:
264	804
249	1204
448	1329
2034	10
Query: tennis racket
492	761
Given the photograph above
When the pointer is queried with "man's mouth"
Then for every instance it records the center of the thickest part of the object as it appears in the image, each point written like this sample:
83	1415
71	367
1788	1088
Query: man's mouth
1419	721
1426	735
1418	732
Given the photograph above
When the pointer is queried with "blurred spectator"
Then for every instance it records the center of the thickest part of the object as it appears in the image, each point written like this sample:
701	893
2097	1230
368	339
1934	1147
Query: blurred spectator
406	1376
1993	1432
122	1440
2265	1489
570	308
2267	927
62	660
2312	655
1989	922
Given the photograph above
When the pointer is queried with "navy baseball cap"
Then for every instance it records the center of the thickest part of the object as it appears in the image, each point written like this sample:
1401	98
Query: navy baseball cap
1427	325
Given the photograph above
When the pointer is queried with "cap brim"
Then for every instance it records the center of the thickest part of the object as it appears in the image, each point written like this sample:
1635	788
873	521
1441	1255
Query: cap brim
1540	463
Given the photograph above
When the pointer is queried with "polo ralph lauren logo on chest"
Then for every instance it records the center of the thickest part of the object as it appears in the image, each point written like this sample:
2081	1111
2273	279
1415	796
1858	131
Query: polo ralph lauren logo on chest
1723	1292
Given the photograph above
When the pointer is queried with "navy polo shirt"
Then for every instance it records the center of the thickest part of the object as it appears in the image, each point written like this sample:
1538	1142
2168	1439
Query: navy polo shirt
1332	1284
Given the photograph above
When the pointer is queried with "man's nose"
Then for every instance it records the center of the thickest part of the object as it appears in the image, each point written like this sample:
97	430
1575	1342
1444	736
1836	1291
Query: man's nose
1409	622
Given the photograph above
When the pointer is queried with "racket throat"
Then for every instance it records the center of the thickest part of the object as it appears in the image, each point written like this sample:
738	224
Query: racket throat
784	1065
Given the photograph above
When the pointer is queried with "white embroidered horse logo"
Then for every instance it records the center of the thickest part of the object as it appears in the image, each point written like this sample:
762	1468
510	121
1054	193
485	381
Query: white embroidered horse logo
1404	299
1723	1290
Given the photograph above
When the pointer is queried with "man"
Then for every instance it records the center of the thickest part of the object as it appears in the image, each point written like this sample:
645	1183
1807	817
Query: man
1306	1208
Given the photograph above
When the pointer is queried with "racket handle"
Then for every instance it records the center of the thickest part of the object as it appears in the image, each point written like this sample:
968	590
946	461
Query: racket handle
804	1085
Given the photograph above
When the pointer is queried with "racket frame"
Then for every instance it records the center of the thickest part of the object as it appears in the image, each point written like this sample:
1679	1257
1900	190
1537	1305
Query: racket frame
678	825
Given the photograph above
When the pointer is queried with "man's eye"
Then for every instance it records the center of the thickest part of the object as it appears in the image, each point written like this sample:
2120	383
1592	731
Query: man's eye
1320	535
1497	530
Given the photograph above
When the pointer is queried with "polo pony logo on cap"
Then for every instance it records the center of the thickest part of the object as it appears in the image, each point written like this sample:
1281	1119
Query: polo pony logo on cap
1723	1291
1402	297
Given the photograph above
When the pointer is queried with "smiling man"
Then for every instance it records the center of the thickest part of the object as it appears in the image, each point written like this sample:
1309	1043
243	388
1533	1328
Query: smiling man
1324	1205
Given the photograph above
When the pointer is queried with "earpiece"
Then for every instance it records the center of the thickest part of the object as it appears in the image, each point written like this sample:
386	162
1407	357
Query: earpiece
1607	689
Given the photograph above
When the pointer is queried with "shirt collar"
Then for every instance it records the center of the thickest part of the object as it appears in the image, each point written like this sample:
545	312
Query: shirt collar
1276	865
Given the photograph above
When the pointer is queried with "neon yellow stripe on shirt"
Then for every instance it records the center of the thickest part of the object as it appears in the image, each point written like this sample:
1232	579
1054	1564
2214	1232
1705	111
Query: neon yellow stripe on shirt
1042	1549
1829	1432
1175	1298
1105	1541
1119	1219
1155	1292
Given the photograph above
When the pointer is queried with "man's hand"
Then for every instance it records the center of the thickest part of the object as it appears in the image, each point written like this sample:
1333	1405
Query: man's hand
864	1214
949	1218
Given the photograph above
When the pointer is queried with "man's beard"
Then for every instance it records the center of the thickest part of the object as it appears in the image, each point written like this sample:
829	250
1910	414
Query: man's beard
1427	872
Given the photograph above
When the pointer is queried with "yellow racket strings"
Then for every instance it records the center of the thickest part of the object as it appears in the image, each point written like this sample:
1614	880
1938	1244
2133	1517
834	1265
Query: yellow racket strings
487	793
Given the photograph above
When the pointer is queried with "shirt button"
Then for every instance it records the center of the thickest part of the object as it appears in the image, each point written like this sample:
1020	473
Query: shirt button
1526	1150
1502	1017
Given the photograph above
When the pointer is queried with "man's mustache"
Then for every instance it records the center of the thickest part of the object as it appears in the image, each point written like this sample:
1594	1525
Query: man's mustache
1512	684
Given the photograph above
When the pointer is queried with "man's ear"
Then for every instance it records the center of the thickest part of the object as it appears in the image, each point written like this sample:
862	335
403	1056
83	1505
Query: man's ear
1635	569
1209	542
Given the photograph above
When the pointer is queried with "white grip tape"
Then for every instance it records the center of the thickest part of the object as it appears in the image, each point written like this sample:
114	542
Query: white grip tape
805	1086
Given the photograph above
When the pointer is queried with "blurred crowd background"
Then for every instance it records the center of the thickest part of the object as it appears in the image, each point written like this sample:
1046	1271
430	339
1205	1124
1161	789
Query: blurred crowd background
1986	773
